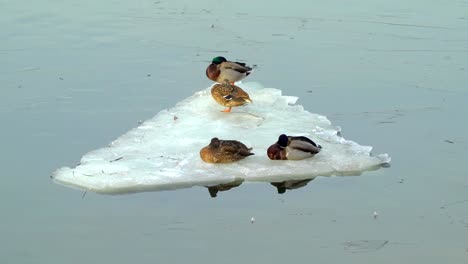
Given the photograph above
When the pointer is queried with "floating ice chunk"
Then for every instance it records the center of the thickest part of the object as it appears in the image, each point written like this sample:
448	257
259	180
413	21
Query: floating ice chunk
163	152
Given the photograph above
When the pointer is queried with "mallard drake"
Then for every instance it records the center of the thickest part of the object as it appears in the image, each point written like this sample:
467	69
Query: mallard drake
221	69
229	95
293	148
224	151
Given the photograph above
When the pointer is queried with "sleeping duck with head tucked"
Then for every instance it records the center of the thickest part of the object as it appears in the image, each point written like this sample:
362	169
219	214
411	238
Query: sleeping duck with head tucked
221	69
224	151
293	148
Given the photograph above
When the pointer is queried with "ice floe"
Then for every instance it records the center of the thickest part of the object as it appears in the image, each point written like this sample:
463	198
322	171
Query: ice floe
163	152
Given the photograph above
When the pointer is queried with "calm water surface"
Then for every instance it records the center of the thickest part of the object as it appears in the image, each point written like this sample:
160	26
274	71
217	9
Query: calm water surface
76	75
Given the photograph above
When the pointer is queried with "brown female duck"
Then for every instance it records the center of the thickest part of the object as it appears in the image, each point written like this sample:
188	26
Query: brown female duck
224	151
229	95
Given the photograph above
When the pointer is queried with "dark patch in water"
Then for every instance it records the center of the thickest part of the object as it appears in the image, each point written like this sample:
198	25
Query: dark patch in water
386	122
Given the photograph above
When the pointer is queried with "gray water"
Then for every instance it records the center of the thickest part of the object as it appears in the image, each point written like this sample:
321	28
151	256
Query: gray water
75	75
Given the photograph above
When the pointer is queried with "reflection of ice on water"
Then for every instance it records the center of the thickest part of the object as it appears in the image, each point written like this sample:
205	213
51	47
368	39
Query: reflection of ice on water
214	189
290	185
281	186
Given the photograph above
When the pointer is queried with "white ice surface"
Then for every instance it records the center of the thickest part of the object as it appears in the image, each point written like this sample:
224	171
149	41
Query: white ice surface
163	152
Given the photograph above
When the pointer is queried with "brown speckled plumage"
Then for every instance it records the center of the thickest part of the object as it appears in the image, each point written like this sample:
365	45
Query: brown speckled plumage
224	151
229	95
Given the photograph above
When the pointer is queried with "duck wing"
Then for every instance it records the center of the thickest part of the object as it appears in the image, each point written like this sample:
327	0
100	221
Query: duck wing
234	147
240	95
241	63
304	144
232	92
304	139
242	68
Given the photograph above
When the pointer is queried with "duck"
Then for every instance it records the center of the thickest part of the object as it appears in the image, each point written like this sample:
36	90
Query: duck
229	95
224	151
221	69
293	148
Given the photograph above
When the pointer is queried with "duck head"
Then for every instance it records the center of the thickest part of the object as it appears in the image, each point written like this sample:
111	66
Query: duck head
283	141
214	143
218	60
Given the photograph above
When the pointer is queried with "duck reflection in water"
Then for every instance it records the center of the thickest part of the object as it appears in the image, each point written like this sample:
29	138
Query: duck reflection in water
213	190
290	184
